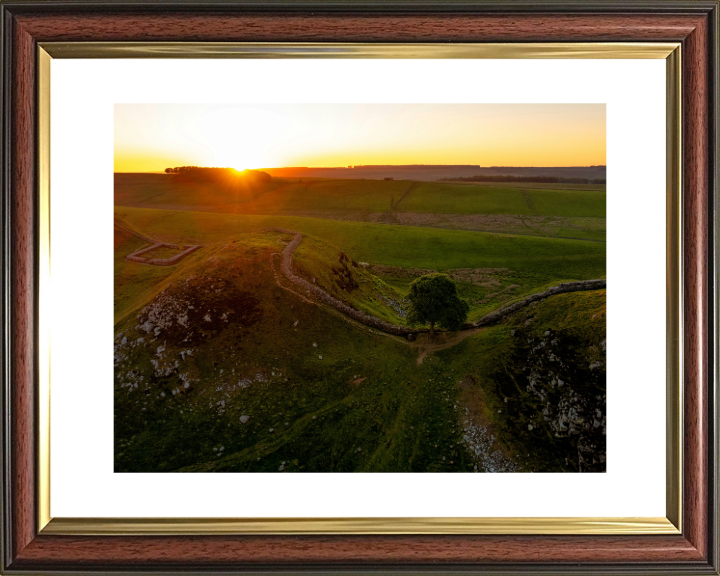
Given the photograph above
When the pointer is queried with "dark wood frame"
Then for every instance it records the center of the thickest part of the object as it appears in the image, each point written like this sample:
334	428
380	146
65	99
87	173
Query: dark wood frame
24	24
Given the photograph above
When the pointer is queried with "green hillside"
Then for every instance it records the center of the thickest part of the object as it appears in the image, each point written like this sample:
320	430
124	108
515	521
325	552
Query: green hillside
405	246
577	213
319	394
224	364
496	268
539	371
221	367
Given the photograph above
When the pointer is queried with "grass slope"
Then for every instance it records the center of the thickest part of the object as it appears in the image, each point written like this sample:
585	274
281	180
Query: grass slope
524	264
480	199
214	340
404	246
359	196
342	277
543	364
222	340
163	190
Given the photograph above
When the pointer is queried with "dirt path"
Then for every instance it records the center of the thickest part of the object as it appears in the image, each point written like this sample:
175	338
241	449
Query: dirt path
442	341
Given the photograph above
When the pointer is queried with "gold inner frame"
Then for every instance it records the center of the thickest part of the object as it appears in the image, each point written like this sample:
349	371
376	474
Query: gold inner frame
671	524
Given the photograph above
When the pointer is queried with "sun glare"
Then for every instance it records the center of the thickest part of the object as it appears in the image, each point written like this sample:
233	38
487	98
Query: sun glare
270	136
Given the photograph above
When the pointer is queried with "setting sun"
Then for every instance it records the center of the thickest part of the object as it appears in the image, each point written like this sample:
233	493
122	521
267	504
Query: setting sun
360	287
150	137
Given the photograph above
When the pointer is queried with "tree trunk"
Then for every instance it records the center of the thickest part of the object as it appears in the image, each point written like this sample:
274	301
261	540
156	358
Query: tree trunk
432	329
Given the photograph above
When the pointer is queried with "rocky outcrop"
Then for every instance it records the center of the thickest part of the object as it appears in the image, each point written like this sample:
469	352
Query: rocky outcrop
552	396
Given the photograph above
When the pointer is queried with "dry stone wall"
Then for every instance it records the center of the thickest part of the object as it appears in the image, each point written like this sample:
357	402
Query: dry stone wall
497	315
287	256
175	259
137	255
289	252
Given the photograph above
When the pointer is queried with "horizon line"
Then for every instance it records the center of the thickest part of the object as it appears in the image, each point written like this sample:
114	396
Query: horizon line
372	166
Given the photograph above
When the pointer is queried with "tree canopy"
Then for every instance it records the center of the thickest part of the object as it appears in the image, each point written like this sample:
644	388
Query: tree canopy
434	298
218	175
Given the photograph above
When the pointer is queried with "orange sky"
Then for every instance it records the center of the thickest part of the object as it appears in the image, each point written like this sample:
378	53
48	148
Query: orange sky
152	137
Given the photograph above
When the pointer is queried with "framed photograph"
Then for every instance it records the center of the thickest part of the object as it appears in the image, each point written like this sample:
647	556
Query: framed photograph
322	287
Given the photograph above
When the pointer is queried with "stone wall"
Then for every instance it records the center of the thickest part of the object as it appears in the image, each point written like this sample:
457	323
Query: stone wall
175	259
559	289
287	256
289	252
136	256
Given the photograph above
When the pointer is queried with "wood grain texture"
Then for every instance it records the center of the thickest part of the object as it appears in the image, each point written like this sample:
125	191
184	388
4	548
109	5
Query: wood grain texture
358	28
23	292
210	552
689	551
695	197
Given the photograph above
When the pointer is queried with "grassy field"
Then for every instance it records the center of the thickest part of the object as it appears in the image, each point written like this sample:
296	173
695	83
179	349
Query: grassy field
573	213
291	367
159	190
133	281
222	365
404	246
220	369
449	198
529	185
526	263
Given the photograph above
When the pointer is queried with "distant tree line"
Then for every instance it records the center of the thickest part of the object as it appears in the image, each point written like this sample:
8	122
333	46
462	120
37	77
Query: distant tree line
538	179
218	175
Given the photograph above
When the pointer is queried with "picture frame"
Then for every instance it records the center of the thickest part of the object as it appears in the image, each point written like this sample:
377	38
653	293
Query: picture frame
686	540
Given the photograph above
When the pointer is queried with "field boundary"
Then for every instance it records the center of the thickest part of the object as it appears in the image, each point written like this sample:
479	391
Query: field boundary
563	288
137	257
410	189
286	266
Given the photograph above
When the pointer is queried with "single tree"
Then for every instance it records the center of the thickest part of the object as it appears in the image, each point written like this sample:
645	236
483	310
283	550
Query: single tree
434	298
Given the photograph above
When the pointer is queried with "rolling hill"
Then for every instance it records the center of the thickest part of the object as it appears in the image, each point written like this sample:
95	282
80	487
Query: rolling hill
223	364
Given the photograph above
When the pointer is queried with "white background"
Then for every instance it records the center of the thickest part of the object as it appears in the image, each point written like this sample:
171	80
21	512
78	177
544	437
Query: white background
82	478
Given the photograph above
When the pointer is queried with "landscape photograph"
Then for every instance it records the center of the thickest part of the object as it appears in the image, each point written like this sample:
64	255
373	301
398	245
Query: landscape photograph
360	288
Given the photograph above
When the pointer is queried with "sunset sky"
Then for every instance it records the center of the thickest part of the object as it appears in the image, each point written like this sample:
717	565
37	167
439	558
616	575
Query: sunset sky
152	137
